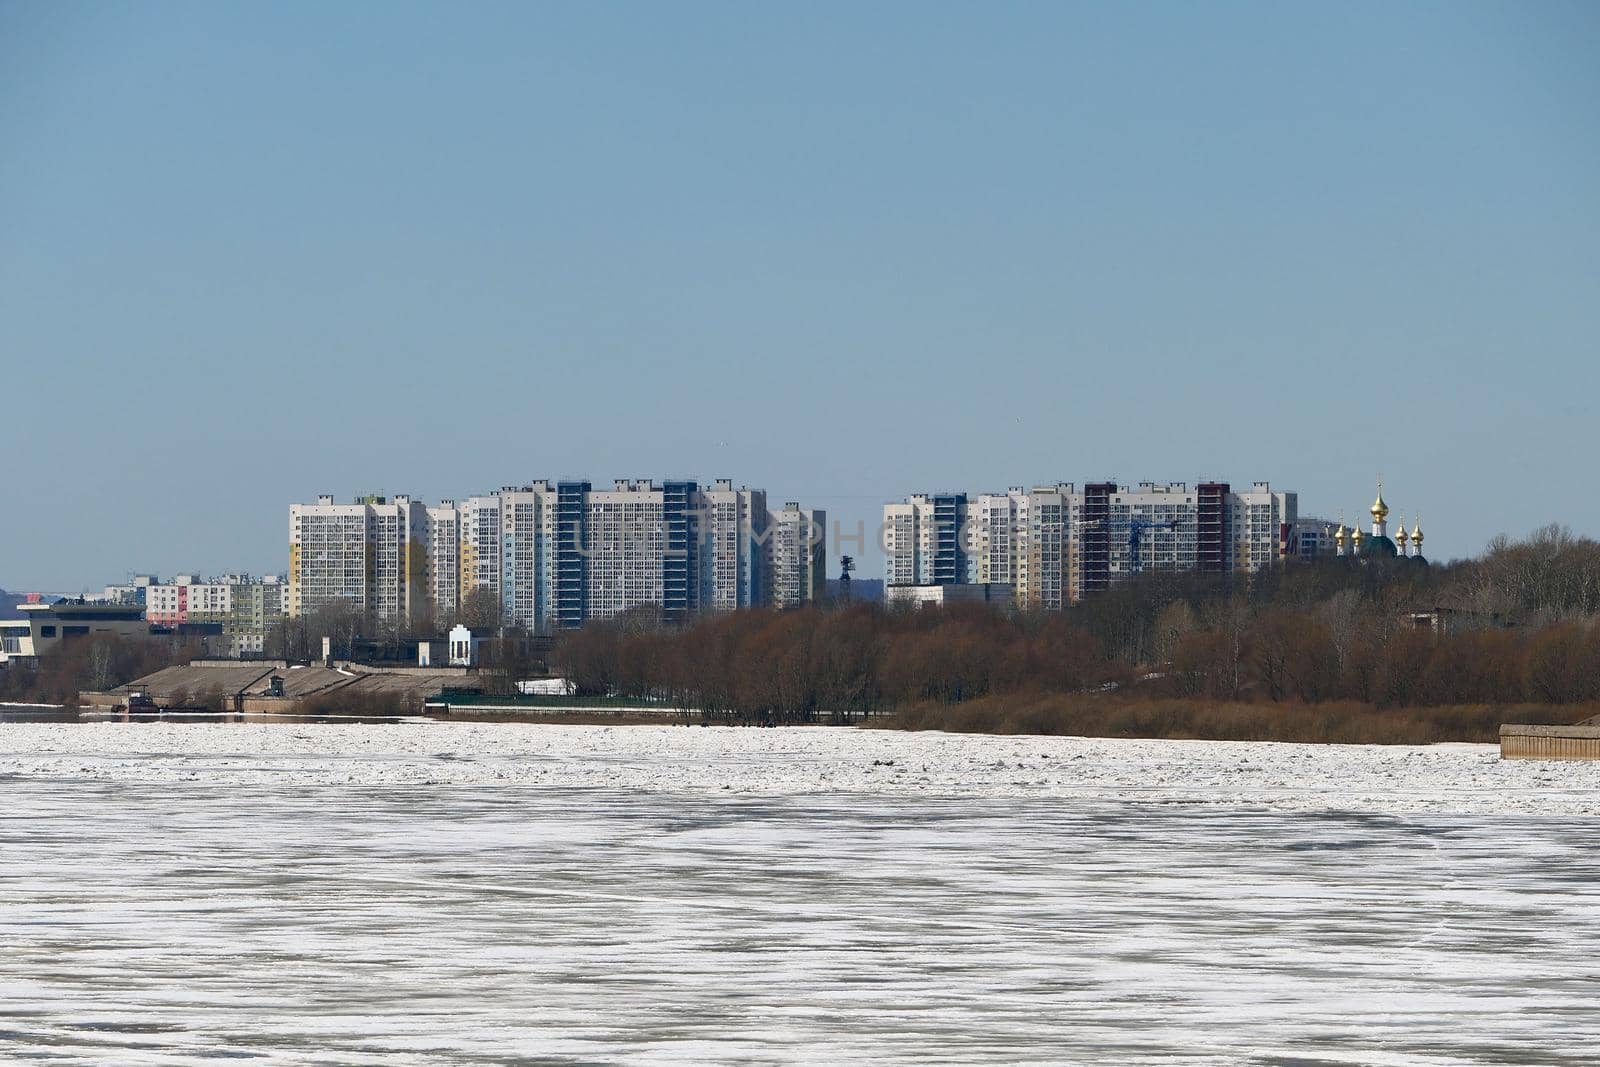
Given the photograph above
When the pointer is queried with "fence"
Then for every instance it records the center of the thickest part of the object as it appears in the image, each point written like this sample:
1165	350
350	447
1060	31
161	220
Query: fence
1549	742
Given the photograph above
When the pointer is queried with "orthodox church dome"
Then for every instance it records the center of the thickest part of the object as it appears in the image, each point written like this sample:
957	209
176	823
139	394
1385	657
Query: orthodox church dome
1378	545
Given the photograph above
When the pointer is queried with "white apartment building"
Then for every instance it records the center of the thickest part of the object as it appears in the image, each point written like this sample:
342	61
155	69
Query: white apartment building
398	534
902	541
1153	527
734	526
923	540
187	598
371	553
523	555
1263	520
799	552
1019	538
1045	547
570	552
166	603
625	549
444	556
1054	544
478	545
328	552
553	554
211	600
994	537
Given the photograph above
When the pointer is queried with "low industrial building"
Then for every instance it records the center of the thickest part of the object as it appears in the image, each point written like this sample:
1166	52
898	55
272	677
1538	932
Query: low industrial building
50	624
995	594
16	641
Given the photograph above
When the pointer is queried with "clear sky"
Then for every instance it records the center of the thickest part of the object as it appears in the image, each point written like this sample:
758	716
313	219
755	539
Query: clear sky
254	252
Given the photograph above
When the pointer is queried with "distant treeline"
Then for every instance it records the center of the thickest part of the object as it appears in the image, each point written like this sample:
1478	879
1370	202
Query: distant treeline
1514	627
1339	649
94	663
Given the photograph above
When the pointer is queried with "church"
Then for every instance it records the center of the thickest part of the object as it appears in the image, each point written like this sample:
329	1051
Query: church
1403	545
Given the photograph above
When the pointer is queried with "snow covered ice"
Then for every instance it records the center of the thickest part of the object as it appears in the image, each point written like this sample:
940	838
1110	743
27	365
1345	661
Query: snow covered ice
444	893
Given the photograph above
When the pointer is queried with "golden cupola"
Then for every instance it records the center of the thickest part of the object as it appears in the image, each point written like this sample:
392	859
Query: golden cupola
1400	535
1416	535
1380	510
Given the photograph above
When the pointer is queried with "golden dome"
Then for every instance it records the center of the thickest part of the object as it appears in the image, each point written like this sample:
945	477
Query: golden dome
1341	533
1400	535
1380	510
1355	537
1416	534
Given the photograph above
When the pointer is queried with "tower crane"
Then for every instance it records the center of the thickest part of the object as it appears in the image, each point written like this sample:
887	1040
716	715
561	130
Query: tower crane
1136	529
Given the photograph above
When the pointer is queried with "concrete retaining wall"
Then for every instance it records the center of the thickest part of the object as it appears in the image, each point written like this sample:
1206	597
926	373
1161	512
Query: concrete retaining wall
417	672
1549	742
274	705
439	707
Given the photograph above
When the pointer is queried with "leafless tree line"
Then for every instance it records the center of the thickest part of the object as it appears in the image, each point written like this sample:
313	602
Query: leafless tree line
1516	625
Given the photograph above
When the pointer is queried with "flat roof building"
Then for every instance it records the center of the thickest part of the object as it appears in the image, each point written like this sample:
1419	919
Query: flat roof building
997	594
50	624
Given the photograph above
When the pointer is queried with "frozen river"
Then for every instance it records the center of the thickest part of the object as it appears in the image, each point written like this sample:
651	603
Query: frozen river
492	895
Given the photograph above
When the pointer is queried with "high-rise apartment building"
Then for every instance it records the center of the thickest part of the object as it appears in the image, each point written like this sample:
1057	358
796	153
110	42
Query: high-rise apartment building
1054	545
734	528
675	544
799	552
553	555
526	554
1153	527
993	536
1018	538
371	553
444	556
1041	550
571	552
328	550
1263	520
478	549
924	542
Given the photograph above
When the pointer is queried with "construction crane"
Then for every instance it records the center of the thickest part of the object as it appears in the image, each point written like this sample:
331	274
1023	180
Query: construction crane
1136	529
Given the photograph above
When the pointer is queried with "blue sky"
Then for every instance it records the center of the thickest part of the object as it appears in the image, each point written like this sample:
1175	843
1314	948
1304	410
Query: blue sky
249	253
